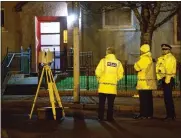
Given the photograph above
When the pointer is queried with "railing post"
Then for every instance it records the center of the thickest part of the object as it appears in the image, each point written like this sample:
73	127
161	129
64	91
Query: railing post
71	57
87	62
65	59
30	58
21	60
29	52
126	75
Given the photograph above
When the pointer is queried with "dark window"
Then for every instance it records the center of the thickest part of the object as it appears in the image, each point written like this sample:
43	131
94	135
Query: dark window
2	17
118	17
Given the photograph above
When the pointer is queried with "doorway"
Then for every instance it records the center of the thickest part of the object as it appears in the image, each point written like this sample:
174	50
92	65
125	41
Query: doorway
49	35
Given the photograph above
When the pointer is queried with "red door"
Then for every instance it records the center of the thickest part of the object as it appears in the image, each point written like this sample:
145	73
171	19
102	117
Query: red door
49	35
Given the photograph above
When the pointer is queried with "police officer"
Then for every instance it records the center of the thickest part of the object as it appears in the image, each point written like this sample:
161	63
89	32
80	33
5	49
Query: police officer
179	67
108	72
166	71
146	82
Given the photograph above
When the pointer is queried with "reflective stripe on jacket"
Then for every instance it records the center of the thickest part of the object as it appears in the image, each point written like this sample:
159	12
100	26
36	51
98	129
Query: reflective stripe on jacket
108	72
146	79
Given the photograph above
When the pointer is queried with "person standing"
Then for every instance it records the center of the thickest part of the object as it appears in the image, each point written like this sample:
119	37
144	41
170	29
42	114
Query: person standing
146	82
166	71
179	69
108	72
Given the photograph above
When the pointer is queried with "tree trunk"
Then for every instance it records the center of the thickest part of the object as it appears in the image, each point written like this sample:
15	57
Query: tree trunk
147	25
146	38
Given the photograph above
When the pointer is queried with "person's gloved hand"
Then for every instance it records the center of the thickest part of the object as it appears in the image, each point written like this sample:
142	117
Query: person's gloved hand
98	79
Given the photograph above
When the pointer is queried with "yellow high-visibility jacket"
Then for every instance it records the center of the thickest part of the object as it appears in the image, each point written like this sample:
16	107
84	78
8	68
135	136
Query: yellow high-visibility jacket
166	67
108	72
160	70
146	79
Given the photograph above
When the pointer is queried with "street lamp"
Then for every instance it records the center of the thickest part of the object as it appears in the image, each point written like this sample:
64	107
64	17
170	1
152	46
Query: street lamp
71	18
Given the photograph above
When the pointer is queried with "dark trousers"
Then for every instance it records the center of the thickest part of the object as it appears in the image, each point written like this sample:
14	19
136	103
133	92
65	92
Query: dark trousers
146	103
110	100
167	91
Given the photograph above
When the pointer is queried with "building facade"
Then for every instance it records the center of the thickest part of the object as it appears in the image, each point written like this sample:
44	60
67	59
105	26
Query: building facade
97	31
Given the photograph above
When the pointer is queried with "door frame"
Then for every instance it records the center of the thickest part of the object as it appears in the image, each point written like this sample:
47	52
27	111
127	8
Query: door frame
63	26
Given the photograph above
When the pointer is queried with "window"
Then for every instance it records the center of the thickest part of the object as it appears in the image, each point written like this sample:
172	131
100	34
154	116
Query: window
50	27
50	35
177	29
121	18
176	47
2	17
50	40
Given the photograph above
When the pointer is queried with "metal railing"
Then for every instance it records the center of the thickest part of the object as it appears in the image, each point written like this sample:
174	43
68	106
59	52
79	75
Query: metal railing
4	68
65	59
88	80
16	61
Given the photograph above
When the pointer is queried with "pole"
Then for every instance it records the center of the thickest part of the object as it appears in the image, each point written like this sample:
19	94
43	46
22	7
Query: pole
21	61
29	56
179	15
76	93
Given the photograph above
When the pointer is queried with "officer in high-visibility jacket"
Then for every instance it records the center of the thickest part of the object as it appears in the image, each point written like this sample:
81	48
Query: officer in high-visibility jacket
146	82
108	72
166	71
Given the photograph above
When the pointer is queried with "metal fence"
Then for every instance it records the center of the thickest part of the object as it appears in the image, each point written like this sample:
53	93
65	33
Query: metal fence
16	62
88	80
65	61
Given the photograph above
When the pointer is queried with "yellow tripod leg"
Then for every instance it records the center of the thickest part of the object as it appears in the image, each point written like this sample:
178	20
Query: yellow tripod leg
57	94
50	90
37	93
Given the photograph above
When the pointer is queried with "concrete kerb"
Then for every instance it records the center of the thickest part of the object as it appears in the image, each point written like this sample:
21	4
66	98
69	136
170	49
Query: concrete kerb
43	93
127	108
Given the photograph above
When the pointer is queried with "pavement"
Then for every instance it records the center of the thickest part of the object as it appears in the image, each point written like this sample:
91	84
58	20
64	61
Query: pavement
81	122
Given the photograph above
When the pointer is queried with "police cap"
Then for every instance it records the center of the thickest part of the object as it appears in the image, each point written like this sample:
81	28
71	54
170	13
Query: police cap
166	46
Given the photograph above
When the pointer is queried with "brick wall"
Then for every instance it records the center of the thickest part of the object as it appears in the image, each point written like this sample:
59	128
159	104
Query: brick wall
11	36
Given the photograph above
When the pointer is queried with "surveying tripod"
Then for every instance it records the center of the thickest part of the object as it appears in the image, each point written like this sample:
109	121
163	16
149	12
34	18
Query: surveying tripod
52	89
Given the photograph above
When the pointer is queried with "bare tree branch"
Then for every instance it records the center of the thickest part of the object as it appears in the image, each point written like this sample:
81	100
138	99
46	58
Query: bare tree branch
137	14
153	16
151	8
157	8
166	19
145	14
167	10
